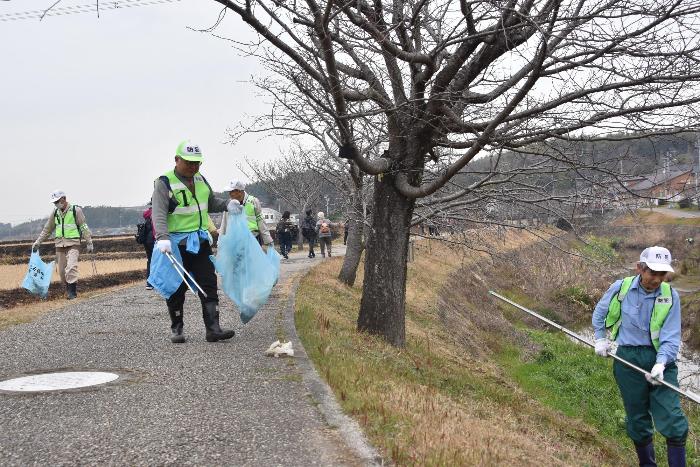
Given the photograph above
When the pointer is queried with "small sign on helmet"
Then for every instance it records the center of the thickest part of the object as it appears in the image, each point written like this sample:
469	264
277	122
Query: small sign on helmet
189	151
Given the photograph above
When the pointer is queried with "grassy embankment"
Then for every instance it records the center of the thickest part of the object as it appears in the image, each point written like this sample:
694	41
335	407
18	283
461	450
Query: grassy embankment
475	384
460	393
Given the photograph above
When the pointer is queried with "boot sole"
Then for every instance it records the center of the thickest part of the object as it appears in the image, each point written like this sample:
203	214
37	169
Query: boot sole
211	338
178	340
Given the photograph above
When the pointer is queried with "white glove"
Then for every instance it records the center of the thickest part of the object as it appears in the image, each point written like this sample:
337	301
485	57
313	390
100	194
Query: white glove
602	346
234	207
657	374
164	246
90	247
36	245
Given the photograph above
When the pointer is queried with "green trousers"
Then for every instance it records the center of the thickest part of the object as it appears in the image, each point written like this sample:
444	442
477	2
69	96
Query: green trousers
645	402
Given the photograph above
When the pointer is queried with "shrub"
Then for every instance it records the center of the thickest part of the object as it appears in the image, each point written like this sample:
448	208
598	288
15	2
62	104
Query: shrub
600	249
577	295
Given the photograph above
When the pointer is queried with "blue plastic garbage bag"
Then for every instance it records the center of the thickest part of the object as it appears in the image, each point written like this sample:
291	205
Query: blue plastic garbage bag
164	277
38	276
247	272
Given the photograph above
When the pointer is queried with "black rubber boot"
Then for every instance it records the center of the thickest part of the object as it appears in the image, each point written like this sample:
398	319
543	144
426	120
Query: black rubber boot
676	454
71	290
176	325
210	315
645	454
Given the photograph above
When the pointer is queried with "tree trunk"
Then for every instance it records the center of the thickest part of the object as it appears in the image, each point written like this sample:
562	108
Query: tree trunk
382	310
355	245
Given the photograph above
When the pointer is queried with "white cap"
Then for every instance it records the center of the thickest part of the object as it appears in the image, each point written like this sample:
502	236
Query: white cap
235	185
657	258
320	215
56	195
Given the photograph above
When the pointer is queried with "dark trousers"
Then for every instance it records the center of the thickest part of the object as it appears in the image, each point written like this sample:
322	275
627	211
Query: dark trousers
644	402
149	252
312	241
202	270
285	243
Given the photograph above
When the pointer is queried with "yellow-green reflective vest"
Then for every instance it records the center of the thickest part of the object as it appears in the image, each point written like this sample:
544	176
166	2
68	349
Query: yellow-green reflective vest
250	214
191	213
66	227
662	306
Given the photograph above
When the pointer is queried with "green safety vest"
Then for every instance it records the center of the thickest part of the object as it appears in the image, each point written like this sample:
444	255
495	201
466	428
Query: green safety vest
250	214
191	212
662	306
66	227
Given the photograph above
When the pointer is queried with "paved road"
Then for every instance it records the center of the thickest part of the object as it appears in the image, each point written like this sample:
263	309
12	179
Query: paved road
194	404
676	212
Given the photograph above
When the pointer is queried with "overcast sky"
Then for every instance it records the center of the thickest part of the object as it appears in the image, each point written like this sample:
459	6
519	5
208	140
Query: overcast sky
96	107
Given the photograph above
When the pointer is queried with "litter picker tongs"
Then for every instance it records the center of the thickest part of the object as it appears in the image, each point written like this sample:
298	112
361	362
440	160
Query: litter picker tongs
183	272
689	394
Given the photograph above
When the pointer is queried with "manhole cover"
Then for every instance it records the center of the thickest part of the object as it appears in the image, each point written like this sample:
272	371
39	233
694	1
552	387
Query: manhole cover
57	381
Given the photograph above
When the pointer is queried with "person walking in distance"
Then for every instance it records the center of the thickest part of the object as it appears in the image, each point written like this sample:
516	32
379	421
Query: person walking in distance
182	199
148	241
308	231
643	314
67	223
325	234
252	210
286	230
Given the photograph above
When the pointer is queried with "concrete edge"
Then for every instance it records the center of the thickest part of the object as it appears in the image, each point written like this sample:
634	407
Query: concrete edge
333	414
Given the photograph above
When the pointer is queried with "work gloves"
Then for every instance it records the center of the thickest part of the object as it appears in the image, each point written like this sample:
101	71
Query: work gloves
164	246
234	207
602	346
657	374
90	247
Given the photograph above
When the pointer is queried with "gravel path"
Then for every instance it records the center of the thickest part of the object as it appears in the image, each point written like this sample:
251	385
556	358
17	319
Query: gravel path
193	404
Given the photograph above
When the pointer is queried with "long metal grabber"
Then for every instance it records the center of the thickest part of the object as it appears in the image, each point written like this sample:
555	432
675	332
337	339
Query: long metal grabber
180	270
690	395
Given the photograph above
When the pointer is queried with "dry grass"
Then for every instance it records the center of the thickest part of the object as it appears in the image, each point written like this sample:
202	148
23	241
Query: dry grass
433	403
11	276
644	216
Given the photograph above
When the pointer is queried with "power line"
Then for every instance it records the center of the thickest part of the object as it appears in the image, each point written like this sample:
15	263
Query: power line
74	9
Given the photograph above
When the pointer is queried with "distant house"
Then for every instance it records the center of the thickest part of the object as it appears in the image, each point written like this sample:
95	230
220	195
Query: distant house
271	216
672	184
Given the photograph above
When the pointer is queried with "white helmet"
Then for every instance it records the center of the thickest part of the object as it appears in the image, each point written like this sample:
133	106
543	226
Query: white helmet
57	194
235	185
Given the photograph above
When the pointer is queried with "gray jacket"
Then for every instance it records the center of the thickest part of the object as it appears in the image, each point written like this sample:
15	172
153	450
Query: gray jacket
319	228
160	207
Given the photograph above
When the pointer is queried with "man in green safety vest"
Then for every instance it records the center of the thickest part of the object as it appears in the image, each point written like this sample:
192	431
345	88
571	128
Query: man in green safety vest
252	210
67	223
643	315
181	201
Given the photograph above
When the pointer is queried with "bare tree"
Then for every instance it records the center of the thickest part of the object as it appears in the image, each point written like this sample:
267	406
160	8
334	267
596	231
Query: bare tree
299	178
289	178
447	81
